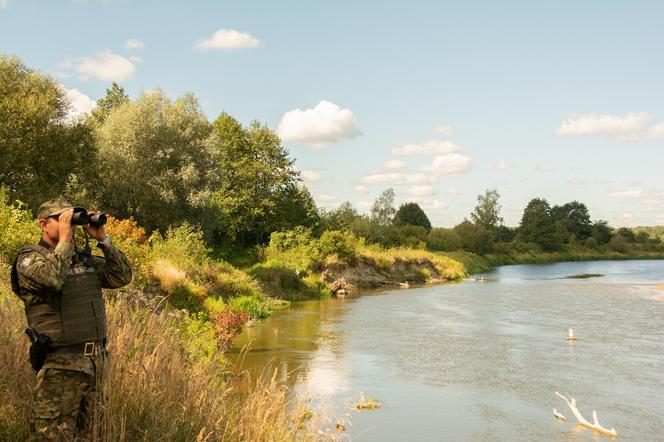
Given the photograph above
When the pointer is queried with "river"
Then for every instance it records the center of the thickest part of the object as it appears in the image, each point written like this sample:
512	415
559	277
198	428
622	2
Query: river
480	360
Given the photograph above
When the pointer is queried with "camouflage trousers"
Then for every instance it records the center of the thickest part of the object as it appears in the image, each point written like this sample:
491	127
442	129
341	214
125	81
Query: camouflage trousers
66	397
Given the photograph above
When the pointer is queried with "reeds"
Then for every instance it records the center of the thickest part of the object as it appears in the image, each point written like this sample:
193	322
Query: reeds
156	386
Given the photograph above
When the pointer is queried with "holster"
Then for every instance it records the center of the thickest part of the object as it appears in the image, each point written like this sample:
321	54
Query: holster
38	349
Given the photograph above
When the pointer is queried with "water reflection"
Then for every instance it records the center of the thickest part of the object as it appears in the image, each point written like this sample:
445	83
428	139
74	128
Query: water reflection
481	361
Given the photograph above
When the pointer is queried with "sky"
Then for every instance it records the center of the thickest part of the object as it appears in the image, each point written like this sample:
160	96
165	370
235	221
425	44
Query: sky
438	100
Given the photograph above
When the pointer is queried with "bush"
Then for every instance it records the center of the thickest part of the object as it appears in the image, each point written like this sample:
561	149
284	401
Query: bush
443	240
618	244
254	307
591	243
17	227
343	245
183	246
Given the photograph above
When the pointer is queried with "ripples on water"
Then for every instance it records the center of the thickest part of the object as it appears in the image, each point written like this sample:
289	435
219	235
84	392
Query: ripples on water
481	360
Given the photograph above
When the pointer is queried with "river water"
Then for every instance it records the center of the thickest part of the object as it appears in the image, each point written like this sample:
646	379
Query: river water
480	360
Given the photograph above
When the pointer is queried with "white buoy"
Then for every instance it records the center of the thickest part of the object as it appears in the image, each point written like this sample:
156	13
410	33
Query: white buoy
570	335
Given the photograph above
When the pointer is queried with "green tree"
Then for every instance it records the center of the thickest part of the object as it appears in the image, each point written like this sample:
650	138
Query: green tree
487	211
382	211
157	161
40	148
339	219
412	214
575	219
537	226
601	231
627	234
474	237
259	184
115	96
443	239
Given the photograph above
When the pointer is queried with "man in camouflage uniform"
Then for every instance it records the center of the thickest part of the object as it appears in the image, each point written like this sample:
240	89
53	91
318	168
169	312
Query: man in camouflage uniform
60	286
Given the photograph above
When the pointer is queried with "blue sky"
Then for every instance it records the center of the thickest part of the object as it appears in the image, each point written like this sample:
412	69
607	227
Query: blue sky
561	100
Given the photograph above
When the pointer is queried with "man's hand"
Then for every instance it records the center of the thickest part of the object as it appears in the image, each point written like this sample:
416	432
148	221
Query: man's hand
97	232
65	228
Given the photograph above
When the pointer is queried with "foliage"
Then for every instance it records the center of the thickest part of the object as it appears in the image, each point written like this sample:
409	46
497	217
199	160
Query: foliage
474	237
259	192
574	219
618	243
41	148
412	214
343	245
537	225
250	305
487	211
115	96
183	246
627	234
601	232
17	227
382	211
339	219
227	325
443	239
156	161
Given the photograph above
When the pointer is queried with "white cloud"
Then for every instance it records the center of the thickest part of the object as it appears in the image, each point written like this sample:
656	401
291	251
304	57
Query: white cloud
499	166
310	176
432	147
627	194
421	190
660	216
81	104
656	131
361	189
134	44
106	66
602	124
395	165
544	167
327	198
455	192
429	204
450	164
364	205
396	178
325	123
4	3
445	130
136	58
227	39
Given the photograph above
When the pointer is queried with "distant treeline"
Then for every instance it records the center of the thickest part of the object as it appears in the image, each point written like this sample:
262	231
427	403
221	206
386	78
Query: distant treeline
163	163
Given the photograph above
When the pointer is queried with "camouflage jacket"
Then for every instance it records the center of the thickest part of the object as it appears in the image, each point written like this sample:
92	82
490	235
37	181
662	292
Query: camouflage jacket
46	272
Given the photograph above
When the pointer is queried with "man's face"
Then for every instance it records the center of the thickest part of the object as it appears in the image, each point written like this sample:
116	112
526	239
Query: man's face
50	228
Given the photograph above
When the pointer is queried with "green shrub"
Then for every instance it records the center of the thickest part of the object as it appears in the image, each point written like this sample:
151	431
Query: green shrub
17	227
343	245
276	275
183	246
252	306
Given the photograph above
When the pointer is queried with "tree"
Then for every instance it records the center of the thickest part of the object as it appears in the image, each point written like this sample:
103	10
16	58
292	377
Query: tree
474	237
487	211
574	218
601	231
537	226
39	148
382	211
340	219
115	96
627	234
258	185
157	161
412	214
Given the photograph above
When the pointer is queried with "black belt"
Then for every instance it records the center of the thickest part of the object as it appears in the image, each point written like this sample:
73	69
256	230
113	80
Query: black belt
91	348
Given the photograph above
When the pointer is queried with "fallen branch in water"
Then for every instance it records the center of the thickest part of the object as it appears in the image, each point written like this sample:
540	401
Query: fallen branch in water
558	415
595	426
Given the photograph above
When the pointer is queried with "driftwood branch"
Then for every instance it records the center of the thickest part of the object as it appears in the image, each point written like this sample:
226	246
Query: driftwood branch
558	415
595	426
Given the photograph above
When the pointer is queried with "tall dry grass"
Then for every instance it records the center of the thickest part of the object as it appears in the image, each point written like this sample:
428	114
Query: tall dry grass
156	386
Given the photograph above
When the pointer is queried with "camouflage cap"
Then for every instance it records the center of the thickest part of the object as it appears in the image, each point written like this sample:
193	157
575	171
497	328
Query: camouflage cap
53	207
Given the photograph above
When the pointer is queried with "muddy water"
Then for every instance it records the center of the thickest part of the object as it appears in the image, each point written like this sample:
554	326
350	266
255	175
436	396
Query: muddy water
481	360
